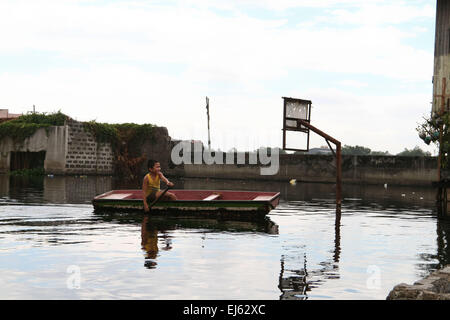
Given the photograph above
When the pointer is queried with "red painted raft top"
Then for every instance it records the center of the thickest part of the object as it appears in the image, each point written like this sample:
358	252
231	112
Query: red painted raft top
206	195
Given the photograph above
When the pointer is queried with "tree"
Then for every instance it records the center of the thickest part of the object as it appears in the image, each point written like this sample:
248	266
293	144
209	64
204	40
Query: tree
416	152
356	150
380	153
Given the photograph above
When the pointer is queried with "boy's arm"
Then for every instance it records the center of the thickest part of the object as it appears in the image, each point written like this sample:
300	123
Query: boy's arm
164	179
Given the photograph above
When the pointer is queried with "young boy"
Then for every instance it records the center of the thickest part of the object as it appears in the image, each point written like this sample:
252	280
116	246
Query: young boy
151	185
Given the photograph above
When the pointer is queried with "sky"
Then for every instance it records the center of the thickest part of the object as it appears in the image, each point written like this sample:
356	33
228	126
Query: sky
366	66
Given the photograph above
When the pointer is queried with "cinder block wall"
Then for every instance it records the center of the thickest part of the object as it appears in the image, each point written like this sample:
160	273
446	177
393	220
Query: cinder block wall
72	150
84	154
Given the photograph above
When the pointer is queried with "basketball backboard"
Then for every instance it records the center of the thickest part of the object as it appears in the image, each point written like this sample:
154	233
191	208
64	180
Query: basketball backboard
295	135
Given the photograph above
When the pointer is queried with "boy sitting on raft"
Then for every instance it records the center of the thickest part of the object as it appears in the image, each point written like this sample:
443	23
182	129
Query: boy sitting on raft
151	186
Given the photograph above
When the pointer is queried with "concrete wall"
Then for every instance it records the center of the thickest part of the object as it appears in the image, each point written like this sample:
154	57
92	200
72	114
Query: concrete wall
158	148
52	140
69	150
72	150
417	171
441	55
56	150
84	154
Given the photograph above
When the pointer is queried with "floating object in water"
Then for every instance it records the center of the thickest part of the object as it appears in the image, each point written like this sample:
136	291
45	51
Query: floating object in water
50	175
385	185
222	204
293	182
403	195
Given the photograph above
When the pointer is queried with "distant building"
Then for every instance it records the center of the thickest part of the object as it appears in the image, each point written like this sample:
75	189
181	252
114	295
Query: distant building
5	115
441	75
320	150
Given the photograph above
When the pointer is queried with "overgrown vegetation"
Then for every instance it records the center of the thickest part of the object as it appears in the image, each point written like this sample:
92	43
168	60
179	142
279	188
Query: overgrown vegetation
360	150
126	140
26	125
429	133
416	152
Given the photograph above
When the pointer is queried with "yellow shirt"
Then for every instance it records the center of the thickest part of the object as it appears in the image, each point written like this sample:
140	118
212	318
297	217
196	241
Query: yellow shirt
153	184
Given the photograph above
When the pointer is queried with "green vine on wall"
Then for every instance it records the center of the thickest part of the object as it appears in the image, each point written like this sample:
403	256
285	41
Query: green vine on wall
429	133
126	140
26	125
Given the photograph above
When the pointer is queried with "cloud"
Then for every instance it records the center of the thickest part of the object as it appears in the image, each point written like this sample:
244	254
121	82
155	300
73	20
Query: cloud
156	62
353	83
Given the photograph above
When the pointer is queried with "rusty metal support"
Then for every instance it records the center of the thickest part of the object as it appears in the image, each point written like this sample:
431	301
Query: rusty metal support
338	158
329	145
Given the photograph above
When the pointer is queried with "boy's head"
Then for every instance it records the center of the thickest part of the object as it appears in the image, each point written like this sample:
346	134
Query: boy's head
153	165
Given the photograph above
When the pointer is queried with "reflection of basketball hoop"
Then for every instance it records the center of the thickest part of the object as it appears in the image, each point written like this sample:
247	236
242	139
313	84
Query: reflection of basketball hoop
295	110
297	118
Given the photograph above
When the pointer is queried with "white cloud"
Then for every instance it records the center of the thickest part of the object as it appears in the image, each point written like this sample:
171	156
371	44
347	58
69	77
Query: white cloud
353	83
118	54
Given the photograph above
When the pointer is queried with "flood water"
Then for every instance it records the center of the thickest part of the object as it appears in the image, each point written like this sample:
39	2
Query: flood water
52	245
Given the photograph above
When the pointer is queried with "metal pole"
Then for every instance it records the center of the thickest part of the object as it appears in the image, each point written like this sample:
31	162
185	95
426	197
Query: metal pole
338	158
338	174
207	113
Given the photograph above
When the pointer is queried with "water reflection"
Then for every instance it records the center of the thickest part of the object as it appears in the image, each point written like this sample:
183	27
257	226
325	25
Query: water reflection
305	258
404	196
155	230
149	235
82	189
299	282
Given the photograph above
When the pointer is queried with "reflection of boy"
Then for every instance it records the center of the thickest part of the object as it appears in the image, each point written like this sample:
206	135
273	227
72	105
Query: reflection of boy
151	185
149	242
